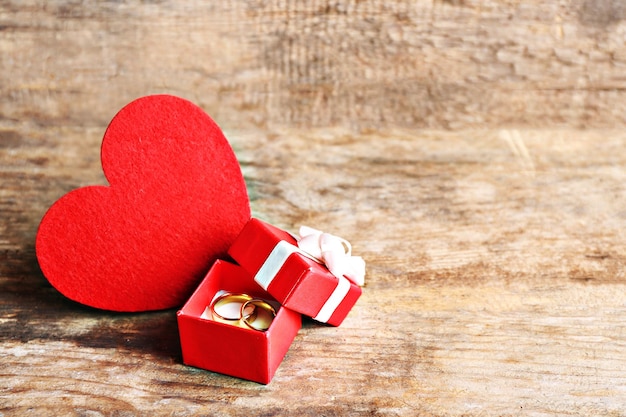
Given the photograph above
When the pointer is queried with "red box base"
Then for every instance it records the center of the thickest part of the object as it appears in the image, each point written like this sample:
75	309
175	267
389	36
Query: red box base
244	353
301	284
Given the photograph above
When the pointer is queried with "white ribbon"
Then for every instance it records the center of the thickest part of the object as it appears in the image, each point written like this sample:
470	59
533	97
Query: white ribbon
335	299
334	252
274	262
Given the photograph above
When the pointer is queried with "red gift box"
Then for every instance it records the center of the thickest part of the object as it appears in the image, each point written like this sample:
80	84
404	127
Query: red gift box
228	349
298	282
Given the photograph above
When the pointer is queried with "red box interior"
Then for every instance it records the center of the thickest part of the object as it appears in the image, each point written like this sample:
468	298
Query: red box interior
220	347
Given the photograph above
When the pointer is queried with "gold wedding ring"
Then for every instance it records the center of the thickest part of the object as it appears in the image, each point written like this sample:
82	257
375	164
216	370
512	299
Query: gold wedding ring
228	306
243	310
257	314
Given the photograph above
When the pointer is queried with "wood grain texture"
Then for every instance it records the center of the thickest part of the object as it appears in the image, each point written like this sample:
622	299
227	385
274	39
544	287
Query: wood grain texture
472	151
495	282
363	64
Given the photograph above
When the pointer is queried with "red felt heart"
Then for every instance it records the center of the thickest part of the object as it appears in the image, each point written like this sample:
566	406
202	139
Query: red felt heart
175	203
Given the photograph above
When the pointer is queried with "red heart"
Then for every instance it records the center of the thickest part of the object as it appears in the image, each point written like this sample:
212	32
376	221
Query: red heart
176	201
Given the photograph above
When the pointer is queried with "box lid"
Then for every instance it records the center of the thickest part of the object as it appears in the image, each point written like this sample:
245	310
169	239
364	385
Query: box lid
296	280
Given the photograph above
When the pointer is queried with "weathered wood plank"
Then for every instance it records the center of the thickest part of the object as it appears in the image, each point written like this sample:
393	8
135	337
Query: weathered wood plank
364	64
472	151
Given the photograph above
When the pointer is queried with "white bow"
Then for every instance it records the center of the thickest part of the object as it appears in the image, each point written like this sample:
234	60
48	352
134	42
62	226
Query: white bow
334	252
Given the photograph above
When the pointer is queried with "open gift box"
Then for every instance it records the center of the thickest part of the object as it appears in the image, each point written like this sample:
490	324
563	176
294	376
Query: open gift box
226	348
297	281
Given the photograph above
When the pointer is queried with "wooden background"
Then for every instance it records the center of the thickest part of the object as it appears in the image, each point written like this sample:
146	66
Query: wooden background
473	151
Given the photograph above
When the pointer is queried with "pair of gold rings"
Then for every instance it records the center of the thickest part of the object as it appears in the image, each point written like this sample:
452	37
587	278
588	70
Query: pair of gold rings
243	310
